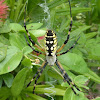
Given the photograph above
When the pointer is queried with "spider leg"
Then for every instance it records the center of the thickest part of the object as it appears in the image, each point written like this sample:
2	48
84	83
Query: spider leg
38	74
65	42
29	34
32	47
69	48
66	77
34	76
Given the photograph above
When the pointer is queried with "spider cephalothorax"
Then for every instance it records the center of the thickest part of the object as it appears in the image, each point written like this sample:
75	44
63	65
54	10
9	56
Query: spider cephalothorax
50	43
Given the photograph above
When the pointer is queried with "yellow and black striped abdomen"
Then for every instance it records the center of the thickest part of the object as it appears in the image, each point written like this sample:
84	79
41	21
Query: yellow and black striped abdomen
50	43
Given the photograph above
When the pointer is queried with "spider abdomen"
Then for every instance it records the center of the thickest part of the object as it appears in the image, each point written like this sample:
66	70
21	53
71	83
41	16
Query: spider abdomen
50	43
51	60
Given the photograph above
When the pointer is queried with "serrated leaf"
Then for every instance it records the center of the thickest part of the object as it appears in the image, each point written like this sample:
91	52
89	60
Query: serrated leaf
18	82
11	61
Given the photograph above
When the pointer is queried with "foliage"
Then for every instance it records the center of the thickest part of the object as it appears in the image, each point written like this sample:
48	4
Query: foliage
18	63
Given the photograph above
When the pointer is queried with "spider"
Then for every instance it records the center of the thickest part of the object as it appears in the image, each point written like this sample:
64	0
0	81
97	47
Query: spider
51	52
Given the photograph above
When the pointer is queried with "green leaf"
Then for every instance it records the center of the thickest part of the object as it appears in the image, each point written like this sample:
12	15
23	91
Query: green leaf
79	31
36	97
34	26
74	62
26	62
27	50
82	39
6	28
75	10
4	93
25	97
8	79
32	5
50	24
41	89
19	98
4	40
33	29
80	81
64	24
90	35
55	3
50	90
18	82
54	74
17	10
38	33
17	40
33	37
16	27
95	52
93	48
11	61
93	76
3	52
69	95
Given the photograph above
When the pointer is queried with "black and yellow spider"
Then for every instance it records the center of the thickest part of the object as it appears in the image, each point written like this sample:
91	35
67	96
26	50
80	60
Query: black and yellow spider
51	52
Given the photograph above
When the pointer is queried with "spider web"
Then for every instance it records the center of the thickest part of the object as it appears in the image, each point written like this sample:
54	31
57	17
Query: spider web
47	16
50	89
